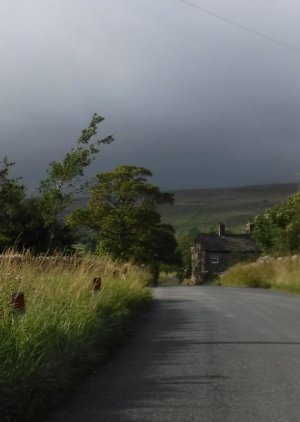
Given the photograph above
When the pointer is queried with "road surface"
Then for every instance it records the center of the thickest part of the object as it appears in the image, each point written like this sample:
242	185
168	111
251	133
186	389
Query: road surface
207	354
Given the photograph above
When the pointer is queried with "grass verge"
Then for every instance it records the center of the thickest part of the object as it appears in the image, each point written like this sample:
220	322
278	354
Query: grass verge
269	272
66	327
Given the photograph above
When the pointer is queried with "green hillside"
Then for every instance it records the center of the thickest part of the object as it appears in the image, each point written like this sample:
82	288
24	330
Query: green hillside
203	209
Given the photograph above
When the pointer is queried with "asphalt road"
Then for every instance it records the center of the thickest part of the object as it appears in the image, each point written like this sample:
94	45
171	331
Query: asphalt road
204	354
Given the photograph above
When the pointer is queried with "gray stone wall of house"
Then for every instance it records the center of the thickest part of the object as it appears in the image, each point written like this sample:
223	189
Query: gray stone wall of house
204	263
209	263
197	265
214	253
217	262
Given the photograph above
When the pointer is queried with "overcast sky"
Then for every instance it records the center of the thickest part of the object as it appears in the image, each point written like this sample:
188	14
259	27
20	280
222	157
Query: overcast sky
188	91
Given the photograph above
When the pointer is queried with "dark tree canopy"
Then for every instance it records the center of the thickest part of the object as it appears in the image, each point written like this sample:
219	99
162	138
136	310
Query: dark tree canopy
278	229
12	194
123	212
37	223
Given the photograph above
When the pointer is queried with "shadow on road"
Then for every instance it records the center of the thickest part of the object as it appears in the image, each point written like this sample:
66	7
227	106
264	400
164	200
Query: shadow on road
144	372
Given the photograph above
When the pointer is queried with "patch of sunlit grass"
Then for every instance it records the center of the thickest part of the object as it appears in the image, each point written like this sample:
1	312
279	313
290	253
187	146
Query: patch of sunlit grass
66	326
281	273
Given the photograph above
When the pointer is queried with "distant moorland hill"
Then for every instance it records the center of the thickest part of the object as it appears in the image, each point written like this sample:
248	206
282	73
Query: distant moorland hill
203	209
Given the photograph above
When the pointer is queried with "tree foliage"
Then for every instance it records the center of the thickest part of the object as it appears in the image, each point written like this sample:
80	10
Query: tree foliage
63	179
121	215
123	212
22	225
278	229
12	194
37	223
185	242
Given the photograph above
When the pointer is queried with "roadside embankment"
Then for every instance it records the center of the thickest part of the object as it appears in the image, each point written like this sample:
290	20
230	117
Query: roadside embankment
282	273
58	318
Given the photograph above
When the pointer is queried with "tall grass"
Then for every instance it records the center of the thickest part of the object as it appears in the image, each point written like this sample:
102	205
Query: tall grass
65	329
279	273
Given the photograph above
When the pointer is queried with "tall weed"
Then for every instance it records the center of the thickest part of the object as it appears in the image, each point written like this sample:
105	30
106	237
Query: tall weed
66	326
281	273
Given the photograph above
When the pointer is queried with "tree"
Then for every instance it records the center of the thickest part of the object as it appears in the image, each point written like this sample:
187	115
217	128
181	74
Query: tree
35	233
123	212
21	223
185	242
12	195
278	229
63	178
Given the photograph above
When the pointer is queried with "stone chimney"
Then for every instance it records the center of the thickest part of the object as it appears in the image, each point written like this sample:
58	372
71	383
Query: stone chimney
222	229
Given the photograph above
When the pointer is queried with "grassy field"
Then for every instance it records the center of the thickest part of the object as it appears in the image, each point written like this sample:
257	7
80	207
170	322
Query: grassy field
203	209
65	329
281	273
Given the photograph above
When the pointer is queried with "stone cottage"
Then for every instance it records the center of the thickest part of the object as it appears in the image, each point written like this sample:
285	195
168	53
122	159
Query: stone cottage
214	253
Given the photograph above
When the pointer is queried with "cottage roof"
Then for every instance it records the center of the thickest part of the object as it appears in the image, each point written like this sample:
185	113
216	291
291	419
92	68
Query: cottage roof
227	243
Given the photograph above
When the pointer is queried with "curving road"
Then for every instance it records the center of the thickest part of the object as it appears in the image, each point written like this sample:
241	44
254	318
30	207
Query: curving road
207	354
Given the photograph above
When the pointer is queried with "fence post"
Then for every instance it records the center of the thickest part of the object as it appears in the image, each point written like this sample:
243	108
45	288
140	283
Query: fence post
17	301
97	284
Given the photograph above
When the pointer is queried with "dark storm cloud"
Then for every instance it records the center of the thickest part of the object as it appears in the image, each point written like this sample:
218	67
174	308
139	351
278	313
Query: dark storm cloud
198	101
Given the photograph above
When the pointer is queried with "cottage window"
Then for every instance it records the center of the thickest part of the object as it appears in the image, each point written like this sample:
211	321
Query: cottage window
214	258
